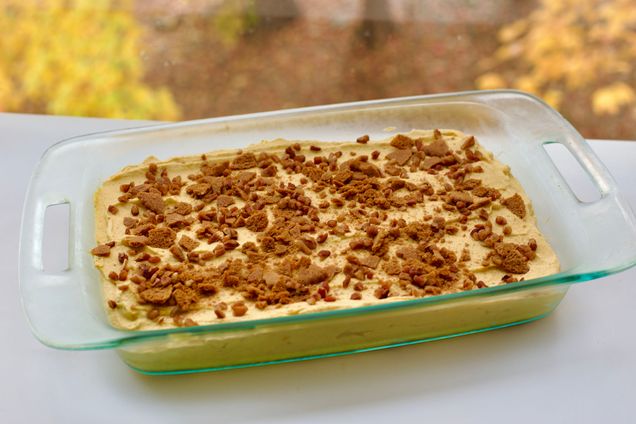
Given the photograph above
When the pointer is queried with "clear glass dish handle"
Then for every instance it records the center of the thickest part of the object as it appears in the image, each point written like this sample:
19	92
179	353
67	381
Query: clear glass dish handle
607	225
56	302
609	222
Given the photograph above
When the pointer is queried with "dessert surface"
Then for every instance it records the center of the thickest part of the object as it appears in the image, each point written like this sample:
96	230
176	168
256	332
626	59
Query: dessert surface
287	227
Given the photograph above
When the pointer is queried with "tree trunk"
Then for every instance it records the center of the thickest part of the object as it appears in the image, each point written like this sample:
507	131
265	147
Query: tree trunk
376	25
274	14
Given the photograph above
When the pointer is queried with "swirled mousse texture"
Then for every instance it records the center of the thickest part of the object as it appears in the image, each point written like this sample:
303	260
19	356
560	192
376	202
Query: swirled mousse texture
288	227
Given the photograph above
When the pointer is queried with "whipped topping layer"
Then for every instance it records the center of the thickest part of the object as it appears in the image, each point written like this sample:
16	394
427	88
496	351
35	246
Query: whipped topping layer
289	227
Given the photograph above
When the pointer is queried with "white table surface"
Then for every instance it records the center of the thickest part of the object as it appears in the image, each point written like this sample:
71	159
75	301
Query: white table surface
577	365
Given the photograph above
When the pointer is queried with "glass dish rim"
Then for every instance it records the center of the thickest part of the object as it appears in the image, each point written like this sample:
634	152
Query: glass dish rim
131	336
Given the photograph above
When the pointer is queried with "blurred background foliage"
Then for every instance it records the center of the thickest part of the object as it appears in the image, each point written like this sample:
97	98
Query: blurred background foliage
187	59
570	49
233	19
76	57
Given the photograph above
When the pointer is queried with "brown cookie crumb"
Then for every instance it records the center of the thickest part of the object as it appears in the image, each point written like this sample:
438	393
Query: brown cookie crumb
324	254
437	148
187	243
401	157
370	261
257	222
161	237
214	170
135	242
244	161
270	171
461	197
101	250
465	256
516	205
185	297
174	220
156	295
206	256
152	201
468	143
177	253
364	139
490	192
245	177
182	208
430	162
512	260
401	141
239	309
224	201
219	250
381	292
368	169
198	190
130	222
230	245
313	274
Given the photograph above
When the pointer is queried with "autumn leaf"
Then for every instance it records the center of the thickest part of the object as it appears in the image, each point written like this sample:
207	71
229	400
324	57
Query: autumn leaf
490	81
610	99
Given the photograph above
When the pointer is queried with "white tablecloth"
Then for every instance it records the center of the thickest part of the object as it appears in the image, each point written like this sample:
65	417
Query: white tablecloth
577	365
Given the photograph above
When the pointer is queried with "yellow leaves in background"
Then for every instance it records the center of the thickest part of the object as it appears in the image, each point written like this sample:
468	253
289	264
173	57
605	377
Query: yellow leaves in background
233	19
7	100
610	99
570	46
553	98
513	31
76	57
490	81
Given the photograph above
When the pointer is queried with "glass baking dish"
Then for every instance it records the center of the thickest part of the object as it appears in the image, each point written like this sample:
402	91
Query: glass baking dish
65	308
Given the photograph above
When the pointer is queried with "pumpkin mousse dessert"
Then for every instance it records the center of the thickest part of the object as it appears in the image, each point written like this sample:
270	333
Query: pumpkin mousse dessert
289	227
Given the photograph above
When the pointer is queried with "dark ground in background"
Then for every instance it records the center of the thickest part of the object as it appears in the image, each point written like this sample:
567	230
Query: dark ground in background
302	62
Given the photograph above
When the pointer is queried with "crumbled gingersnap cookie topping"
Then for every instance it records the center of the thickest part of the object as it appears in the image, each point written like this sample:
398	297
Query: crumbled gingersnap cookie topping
311	224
